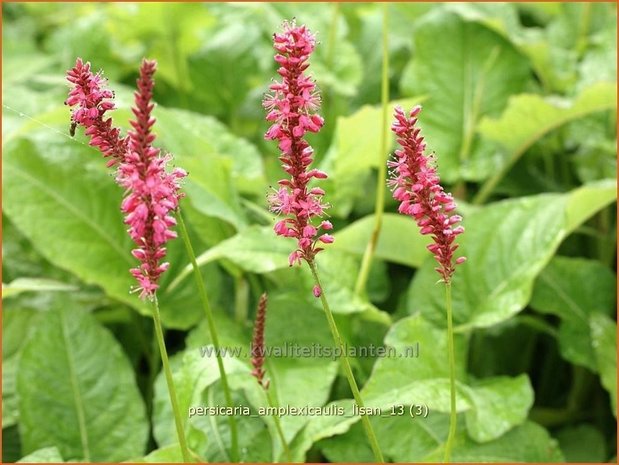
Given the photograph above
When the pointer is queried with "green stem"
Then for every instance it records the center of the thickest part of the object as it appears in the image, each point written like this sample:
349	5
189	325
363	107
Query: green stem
379	207
178	419
278	426
369	431
234	446
240	299
452	374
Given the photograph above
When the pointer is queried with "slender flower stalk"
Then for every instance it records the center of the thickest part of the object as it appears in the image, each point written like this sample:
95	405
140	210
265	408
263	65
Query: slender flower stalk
379	207
152	193
258	353
292	109
417	186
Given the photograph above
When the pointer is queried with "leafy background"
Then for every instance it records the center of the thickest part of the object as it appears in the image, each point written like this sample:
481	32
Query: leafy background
520	108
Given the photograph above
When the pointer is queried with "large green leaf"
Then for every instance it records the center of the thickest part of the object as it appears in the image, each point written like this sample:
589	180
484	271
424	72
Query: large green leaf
574	289
411	251
464	82
604	338
77	391
510	242
60	196
529	117
192	135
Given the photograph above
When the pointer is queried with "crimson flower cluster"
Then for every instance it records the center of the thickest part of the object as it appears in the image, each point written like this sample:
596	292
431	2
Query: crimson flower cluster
152	193
417	186
292	108
92	100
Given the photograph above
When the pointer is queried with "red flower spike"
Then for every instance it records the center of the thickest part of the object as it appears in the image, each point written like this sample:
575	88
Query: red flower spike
417	187
291	107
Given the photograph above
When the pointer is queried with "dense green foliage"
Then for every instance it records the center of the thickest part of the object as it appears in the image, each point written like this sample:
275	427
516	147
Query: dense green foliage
520	108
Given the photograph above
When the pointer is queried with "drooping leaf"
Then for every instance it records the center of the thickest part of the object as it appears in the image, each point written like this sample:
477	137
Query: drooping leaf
77	391
512	241
529	117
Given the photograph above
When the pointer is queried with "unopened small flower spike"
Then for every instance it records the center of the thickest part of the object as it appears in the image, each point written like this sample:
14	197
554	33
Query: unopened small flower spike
292	109
416	186
153	192
90	99
257	344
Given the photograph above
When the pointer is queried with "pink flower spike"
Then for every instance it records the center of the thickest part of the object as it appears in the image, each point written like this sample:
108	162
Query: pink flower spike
153	193
292	111
91	101
416	186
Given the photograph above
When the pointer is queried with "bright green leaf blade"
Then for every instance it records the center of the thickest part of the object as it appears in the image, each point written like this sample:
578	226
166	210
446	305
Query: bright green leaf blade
20	285
604	338
512	240
464	82
498	405
356	149
77	391
399	241
44	455
529	117
192	135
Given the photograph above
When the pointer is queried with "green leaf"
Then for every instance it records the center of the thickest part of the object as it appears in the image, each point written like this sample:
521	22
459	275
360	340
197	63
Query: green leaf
529	117
77	391
16	324
466	82
20	285
403	439
295	381
498	404
44	455
166	454
492	407
512	241
582	443
192	135
61	197
574	289
411	252
604	338
356	149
